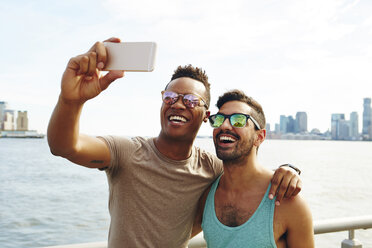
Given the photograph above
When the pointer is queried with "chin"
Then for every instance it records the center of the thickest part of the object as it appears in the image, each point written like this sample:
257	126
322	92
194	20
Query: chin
180	136
226	156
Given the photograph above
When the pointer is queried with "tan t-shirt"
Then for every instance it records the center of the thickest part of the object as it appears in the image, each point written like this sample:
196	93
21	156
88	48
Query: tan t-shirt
153	199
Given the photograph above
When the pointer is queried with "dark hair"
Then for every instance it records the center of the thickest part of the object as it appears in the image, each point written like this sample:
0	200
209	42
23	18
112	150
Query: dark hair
194	73
238	95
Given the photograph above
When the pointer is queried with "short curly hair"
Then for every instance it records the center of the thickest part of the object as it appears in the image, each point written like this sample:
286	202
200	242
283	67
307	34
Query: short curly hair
238	95
194	73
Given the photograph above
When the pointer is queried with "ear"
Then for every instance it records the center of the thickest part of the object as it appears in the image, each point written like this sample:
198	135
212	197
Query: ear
207	114
261	135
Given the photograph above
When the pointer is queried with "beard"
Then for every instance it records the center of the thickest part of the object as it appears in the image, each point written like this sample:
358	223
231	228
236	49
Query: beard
241	150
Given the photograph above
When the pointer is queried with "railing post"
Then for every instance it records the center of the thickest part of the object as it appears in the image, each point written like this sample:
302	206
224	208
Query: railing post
351	242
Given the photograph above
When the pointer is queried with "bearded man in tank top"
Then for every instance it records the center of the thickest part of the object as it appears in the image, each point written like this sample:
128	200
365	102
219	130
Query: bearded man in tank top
235	211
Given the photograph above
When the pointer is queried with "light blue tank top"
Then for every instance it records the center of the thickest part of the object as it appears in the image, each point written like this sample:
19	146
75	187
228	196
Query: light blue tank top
254	233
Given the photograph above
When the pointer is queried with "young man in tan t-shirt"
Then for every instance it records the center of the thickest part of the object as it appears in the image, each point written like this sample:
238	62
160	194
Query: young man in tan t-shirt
159	215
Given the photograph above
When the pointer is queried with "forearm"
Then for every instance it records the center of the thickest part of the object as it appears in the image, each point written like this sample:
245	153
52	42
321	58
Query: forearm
63	128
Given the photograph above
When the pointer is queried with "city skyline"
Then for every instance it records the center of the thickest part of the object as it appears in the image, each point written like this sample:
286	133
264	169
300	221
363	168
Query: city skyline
297	125
312	56
12	120
340	127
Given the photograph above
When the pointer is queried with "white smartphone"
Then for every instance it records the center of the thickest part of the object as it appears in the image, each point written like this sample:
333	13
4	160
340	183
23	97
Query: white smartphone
130	56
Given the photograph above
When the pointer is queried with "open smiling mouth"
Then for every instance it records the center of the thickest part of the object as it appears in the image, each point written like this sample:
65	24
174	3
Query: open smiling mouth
177	118
226	139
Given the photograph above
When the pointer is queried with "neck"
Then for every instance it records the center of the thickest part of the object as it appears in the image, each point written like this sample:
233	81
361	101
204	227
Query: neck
175	149
242	174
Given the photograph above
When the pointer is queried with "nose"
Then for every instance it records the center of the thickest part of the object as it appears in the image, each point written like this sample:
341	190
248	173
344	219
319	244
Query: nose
179	103
226	125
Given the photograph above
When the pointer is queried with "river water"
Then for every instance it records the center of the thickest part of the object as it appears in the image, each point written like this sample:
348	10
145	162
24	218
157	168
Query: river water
46	200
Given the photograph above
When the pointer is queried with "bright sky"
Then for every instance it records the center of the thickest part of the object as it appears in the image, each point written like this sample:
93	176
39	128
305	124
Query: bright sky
313	56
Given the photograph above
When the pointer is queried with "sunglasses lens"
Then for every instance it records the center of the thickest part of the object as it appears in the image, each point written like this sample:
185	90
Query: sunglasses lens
216	120
238	120
170	97
191	101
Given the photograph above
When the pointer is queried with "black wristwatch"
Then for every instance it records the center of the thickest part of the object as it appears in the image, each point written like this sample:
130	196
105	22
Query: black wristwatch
293	167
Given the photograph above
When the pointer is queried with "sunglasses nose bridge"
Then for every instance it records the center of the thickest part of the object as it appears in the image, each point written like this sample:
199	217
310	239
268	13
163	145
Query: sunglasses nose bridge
226	124
179	103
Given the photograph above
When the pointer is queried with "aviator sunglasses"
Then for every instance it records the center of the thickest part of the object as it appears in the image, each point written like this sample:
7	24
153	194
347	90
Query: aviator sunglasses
236	120
189	100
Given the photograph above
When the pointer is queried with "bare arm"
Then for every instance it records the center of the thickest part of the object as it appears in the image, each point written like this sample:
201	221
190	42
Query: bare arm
81	81
299	224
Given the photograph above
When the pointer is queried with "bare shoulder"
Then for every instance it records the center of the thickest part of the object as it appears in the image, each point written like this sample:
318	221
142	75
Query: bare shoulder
294	207
296	220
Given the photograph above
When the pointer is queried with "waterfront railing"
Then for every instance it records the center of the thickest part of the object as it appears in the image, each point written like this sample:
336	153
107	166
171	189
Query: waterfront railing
320	227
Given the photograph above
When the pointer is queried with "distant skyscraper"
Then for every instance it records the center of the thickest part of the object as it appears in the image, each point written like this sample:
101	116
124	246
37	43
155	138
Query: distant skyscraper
22	121
3	106
287	124
301	122
344	130
283	124
291	124
277	128
335	125
8	123
367	116
268	127
354	125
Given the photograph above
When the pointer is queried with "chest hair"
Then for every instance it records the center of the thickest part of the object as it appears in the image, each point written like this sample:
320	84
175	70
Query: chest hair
231	215
237	211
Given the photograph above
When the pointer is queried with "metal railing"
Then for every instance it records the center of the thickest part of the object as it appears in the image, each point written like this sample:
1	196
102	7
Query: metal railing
320	227
344	224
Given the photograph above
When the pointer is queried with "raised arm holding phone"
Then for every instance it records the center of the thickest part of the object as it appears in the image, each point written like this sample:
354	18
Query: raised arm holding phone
81	81
155	183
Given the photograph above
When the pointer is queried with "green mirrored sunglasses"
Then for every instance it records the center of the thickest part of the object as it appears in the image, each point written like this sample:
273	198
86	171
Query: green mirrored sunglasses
236	120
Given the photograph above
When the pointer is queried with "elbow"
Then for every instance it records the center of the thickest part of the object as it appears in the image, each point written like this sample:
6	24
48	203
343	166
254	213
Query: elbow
57	147
53	148
60	151
68	154
54	151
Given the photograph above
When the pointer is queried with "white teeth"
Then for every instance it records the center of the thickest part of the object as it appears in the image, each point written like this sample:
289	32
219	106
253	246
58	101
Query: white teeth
226	138
177	118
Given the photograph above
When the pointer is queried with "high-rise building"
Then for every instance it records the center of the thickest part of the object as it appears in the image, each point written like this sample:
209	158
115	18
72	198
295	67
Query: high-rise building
301	122
367	116
268	127
277	128
354	126
335	125
287	124
283	124
291	124
22	121
344	130
3	106
8	123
